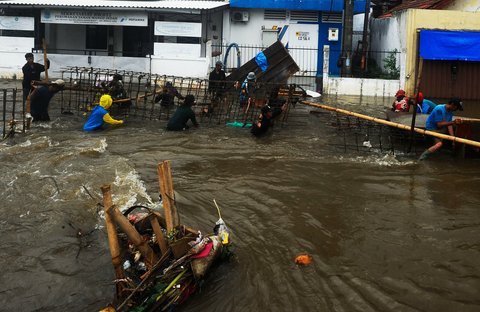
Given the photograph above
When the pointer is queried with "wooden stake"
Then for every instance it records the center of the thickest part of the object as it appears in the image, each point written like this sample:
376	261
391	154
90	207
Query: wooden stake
162	243
394	124
149	256
113	241
45	58
168	195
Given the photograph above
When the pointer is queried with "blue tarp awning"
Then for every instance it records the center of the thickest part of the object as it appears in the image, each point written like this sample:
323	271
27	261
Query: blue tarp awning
313	5
450	45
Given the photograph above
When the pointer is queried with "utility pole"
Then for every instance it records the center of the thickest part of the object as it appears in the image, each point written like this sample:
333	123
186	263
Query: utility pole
347	38
365	36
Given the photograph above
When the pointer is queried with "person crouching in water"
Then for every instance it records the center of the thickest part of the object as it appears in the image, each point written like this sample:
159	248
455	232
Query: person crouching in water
100	115
401	103
441	120
182	115
268	113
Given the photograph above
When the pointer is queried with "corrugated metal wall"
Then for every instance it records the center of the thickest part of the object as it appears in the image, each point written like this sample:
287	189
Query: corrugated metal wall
445	79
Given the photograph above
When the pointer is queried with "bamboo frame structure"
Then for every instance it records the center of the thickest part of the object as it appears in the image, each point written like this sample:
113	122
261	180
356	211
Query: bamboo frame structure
394	124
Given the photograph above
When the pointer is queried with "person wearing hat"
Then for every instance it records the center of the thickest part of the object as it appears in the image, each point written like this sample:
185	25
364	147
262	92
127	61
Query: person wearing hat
31	72
247	89
441	120
401	103
182	115
40	100
100	115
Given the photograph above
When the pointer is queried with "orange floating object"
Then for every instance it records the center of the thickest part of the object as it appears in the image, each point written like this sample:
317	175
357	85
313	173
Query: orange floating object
303	259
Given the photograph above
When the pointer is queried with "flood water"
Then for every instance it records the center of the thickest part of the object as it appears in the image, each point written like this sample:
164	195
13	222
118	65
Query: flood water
386	233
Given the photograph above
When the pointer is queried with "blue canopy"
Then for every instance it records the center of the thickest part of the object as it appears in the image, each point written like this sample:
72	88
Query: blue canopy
315	5
450	45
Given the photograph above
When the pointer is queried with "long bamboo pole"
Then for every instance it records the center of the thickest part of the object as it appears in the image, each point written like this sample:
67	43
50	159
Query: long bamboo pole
394	124
45	58
113	241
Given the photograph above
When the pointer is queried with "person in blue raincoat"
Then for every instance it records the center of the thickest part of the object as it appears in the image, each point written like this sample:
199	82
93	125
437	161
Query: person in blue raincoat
100	115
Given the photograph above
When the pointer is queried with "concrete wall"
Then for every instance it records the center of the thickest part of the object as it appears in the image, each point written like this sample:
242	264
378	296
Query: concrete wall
355	86
387	35
13	61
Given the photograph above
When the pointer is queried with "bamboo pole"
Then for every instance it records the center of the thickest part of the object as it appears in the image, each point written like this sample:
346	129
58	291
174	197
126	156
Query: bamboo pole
149	256
113	241
45	58
168	195
394	124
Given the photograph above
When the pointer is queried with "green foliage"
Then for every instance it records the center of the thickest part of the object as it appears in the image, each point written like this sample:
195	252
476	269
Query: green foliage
390	65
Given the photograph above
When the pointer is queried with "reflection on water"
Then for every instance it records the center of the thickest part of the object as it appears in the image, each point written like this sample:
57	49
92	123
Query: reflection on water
386	234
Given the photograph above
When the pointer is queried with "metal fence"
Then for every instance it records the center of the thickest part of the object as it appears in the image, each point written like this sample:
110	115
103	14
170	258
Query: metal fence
12	113
86	85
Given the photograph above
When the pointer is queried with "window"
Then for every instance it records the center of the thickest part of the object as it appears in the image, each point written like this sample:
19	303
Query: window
96	37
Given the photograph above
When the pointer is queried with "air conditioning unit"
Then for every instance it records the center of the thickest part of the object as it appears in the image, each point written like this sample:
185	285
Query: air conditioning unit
239	16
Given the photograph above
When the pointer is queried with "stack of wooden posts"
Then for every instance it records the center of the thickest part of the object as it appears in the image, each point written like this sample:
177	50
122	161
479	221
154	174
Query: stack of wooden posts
157	262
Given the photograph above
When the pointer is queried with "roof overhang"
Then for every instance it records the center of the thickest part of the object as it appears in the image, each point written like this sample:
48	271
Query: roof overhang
117	4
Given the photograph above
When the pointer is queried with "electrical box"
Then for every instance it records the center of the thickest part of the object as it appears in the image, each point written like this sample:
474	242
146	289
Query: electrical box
269	37
333	34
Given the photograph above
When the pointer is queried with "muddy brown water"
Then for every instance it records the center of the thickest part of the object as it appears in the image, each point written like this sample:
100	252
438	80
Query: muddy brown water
386	233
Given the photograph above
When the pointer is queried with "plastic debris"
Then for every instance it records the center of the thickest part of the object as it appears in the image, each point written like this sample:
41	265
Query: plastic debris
303	259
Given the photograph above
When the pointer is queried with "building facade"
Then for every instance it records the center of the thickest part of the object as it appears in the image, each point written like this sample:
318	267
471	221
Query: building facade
167	37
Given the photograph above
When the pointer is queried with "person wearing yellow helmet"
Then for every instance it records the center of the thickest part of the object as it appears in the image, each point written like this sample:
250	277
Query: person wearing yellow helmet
100	115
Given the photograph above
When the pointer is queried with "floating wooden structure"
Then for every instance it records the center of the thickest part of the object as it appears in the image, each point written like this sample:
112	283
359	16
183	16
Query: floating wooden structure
157	262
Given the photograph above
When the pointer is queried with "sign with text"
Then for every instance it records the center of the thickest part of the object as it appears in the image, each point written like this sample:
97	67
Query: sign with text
115	18
177	50
176	29
17	23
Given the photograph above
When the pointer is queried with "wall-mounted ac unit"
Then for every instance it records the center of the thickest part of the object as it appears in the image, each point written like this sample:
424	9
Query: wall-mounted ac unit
239	16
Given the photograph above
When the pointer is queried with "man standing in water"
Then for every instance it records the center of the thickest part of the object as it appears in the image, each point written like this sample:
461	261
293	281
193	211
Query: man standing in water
216	87
440	120
40	100
31	71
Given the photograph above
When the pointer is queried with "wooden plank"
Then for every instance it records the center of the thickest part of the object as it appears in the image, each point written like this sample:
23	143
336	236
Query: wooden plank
149	256
172	219
162	243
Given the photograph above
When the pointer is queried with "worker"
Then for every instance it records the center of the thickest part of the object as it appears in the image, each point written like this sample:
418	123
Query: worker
31	72
40	100
401	102
247	89
441	120
100	115
182	115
